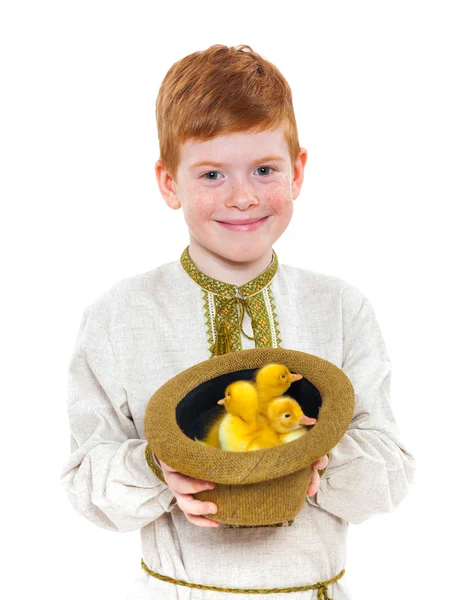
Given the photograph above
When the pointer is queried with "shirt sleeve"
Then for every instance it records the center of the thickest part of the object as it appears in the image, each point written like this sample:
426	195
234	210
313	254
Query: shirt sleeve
106	476
370	469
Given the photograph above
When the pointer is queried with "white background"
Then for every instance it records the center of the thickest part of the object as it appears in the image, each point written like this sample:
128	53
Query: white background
81	210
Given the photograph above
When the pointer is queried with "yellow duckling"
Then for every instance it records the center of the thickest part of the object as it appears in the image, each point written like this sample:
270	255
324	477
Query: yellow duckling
286	417
271	382
243	428
211	439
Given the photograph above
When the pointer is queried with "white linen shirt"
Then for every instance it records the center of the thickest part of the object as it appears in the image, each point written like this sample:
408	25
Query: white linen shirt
148	328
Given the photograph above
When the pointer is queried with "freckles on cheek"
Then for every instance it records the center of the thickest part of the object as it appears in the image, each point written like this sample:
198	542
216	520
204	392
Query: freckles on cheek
280	203
277	202
280	198
202	205
204	200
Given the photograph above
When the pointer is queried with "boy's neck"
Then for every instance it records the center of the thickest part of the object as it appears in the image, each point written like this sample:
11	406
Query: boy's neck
228	271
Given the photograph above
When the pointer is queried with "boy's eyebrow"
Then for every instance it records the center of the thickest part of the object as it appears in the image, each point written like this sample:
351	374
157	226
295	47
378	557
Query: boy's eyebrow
216	164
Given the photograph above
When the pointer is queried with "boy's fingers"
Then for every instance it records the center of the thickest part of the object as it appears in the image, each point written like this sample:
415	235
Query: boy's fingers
191	506
165	466
315	482
186	485
182	483
201	521
183	487
321	463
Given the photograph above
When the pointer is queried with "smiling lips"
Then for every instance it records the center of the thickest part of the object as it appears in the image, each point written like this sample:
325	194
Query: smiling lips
245	225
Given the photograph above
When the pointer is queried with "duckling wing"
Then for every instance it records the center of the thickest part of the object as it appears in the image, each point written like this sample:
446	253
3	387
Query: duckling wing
263	442
265	437
233	434
211	438
293	435
205	425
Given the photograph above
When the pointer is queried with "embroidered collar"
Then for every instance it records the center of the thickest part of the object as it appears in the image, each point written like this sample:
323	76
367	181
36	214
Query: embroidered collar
225	305
228	290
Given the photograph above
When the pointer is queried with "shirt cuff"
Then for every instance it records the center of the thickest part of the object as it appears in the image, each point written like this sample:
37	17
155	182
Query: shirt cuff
153	463
166	498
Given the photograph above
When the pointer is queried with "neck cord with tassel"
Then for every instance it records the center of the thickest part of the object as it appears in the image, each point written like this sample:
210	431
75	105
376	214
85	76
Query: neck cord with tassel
223	341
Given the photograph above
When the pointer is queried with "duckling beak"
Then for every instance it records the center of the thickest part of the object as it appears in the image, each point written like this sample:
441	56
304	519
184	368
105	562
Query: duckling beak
296	376
304	420
221	401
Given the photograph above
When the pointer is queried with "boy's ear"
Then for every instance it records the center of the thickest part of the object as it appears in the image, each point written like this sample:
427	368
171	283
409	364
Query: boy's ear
298	172
167	185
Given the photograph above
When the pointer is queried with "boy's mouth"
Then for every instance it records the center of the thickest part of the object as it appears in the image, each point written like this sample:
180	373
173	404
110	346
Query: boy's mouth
245	225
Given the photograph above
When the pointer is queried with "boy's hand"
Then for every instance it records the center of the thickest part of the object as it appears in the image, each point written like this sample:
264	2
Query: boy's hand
319	464
183	488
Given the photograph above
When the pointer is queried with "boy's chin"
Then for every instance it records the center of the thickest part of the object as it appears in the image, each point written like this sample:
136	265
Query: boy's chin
242	254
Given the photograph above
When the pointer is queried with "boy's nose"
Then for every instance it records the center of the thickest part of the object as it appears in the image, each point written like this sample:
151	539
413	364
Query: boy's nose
241	198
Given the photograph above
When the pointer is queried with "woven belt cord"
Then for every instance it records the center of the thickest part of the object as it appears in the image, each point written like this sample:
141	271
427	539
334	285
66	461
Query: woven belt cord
321	586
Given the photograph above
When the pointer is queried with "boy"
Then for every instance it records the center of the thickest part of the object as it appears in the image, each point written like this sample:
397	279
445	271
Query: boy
230	157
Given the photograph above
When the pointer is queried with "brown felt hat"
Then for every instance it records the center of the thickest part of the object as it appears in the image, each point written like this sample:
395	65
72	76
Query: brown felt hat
259	487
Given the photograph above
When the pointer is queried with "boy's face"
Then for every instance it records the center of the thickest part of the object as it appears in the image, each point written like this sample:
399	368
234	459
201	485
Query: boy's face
237	182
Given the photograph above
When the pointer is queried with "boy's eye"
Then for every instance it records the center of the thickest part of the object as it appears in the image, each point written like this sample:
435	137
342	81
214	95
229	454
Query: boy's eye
210	173
263	168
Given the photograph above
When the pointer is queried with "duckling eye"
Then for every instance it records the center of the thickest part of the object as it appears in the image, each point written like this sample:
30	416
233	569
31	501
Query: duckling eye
283	376
287	415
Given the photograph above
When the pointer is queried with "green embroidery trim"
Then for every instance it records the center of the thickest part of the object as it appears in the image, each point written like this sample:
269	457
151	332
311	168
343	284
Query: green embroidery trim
263	316
275	321
229	290
224	301
208	321
227	320
256	285
207	283
152	464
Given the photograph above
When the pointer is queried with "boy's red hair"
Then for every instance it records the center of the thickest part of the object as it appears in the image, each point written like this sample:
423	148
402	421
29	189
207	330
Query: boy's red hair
218	91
